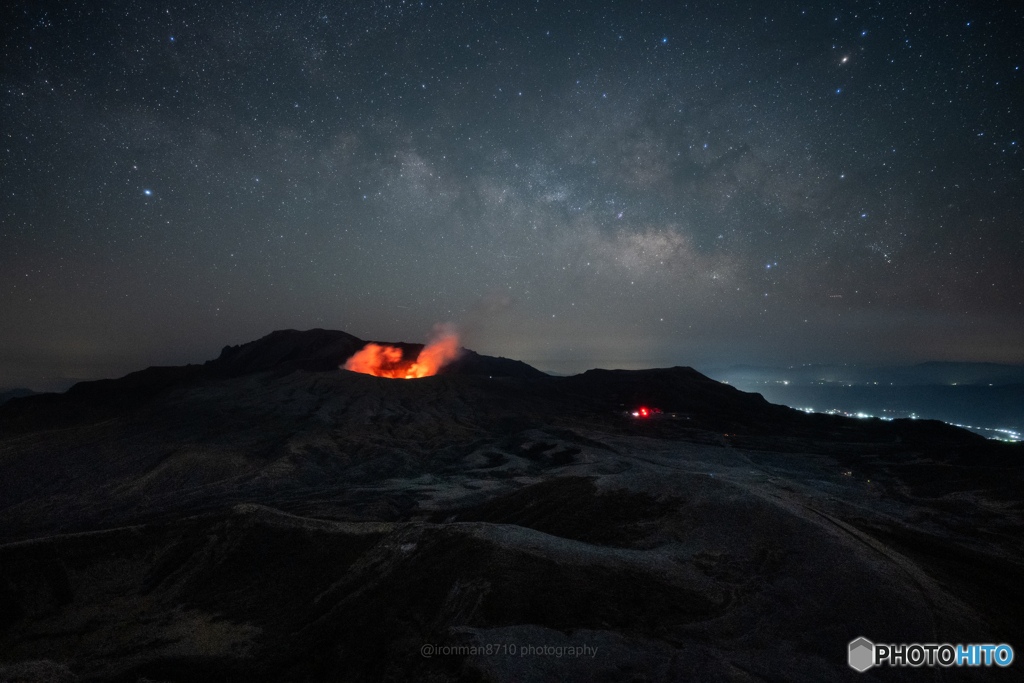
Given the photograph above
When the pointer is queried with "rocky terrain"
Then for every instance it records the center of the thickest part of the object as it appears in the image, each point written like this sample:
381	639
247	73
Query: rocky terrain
269	517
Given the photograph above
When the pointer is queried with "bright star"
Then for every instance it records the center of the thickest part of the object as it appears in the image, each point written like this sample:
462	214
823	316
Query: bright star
147	192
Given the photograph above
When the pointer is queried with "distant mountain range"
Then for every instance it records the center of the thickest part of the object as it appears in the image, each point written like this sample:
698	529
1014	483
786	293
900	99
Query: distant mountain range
14	393
931	373
987	396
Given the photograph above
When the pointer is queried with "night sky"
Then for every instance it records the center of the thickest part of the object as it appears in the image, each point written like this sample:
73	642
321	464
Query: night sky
606	184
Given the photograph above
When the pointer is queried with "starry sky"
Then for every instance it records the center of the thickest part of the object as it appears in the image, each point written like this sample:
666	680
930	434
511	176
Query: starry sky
601	184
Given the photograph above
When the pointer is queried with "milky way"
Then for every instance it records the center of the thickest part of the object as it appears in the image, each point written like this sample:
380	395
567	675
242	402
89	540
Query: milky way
573	184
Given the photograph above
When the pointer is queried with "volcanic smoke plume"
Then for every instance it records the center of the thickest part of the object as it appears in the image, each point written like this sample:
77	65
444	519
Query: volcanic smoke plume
386	361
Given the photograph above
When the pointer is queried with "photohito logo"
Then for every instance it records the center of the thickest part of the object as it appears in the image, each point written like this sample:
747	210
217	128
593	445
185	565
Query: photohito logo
862	654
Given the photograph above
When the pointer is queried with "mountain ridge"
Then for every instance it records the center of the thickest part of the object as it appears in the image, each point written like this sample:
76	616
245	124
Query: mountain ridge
281	352
259	519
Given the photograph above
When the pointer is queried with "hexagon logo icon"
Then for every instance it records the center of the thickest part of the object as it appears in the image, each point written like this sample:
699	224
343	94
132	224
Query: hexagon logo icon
862	654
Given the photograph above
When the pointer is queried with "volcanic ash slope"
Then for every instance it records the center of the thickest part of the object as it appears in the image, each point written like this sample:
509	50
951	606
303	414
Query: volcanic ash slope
267	517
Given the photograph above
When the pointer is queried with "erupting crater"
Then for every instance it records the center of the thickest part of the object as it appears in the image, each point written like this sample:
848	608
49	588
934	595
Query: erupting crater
387	361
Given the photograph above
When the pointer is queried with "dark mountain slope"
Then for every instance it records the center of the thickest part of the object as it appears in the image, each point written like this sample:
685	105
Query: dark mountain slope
281	352
14	393
314	350
267	517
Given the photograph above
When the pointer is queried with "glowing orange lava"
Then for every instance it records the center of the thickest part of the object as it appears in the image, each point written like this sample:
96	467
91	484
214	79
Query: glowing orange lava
386	361
374	359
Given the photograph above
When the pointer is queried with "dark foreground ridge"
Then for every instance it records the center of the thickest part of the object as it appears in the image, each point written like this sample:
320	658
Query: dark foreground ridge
268	517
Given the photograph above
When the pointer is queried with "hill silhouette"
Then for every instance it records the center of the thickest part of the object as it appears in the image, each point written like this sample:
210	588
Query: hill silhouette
266	516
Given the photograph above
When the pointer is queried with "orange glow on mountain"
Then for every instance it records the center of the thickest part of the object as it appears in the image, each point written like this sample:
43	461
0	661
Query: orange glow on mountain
381	361
386	361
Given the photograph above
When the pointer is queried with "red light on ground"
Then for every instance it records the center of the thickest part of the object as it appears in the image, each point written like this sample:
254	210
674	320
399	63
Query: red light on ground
644	411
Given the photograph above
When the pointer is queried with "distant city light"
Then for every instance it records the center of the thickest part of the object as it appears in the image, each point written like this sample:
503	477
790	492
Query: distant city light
998	434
